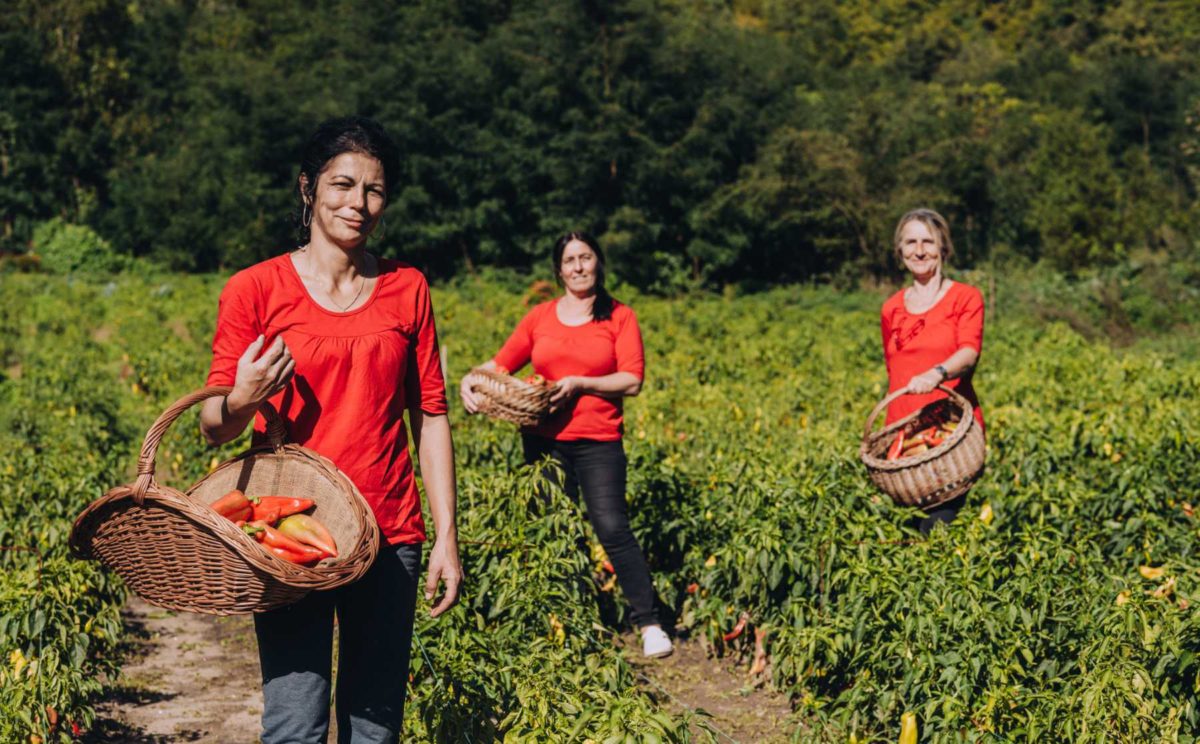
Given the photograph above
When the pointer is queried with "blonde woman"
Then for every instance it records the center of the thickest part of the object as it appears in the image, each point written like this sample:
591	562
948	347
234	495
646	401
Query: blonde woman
932	330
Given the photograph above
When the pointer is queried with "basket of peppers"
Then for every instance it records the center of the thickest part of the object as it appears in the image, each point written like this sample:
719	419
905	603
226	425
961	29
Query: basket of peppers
258	532
525	402
928	457
279	524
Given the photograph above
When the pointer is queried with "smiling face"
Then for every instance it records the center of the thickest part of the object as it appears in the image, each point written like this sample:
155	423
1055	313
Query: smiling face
920	249
349	200
578	267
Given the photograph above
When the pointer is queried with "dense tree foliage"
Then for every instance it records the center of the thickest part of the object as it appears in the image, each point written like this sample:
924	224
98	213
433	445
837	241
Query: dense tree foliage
704	141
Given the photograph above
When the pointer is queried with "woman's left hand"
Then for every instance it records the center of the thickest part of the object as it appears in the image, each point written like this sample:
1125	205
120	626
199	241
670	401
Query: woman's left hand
925	382
444	567
565	390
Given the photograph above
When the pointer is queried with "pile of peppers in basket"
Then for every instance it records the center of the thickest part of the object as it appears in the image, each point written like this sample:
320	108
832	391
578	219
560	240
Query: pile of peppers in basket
922	441
279	525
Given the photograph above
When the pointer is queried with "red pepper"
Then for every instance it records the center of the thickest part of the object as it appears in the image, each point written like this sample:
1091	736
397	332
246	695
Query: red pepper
897	447
285	506
308	531
692	588
737	629
233	506
608	566
272	538
270	515
932	437
293	556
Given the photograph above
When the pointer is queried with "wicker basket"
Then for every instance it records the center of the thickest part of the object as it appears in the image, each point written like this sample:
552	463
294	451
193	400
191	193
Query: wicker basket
507	398
937	475
174	551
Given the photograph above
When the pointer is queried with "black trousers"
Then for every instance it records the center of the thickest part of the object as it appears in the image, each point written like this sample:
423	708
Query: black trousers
598	469
943	513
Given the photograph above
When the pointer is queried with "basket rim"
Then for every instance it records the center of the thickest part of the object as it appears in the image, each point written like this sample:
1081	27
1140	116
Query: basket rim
505	397
510	381
318	459
966	423
167	497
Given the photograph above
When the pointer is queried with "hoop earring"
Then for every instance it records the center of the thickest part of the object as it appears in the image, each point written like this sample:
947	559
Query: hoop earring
306	216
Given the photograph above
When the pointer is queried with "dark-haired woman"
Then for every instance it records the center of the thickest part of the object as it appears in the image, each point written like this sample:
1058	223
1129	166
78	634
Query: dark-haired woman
342	343
590	345
932	331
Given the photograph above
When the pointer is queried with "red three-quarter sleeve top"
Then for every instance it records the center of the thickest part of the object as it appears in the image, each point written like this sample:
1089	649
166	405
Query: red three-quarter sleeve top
915	342
594	349
356	374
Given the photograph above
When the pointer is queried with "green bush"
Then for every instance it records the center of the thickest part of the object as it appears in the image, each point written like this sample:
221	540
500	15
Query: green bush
65	248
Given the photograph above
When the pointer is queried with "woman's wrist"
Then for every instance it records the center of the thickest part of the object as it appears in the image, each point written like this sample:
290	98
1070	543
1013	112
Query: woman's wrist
238	408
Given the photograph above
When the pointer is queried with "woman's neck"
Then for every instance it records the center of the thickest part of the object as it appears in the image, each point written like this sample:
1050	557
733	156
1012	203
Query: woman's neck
334	262
579	301
928	285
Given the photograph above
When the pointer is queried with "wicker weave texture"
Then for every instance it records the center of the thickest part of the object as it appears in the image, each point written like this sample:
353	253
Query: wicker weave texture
174	551
507	398
932	477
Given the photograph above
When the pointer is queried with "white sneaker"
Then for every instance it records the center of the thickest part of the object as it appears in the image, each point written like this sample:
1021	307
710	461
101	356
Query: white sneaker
655	643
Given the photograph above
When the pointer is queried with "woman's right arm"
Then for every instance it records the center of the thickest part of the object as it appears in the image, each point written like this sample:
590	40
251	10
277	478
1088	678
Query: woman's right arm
258	378
514	355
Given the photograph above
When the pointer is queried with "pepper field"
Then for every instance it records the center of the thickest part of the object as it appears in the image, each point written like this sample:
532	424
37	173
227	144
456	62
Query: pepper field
1036	624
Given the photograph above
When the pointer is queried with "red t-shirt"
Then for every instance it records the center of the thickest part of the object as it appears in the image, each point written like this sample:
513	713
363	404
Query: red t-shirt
914	342
356	374
594	349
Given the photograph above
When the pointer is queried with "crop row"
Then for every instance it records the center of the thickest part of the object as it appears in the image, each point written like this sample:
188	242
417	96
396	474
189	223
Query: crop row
1029	619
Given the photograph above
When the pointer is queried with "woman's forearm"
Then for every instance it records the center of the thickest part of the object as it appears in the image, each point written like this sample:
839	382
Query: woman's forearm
435	450
957	365
960	362
616	385
224	419
436	453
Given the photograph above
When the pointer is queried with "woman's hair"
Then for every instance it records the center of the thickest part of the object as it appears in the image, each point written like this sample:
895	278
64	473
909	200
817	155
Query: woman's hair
334	137
937	225
602	306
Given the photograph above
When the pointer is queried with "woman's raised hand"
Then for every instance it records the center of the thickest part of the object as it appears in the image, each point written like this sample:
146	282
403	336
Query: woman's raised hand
261	374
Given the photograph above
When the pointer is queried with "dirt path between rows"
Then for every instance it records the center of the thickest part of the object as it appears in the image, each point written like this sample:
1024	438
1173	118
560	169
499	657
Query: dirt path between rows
187	678
741	710
195	678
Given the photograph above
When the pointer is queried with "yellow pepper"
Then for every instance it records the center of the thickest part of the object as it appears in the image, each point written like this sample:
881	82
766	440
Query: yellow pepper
908	729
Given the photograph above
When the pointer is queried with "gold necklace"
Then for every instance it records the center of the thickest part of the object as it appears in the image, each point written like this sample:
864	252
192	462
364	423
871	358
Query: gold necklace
361	284
341	309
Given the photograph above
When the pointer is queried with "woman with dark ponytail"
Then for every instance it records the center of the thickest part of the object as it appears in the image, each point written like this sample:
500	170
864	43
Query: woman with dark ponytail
590	346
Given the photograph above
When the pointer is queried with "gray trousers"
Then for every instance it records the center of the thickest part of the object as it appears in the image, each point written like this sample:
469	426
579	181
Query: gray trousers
375	624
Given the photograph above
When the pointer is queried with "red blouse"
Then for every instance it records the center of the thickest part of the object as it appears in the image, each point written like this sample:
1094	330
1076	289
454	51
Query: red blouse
914	342
356	374
593	349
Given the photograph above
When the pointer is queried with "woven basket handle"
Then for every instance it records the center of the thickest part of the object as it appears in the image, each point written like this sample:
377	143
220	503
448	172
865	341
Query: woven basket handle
954	396
276	433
